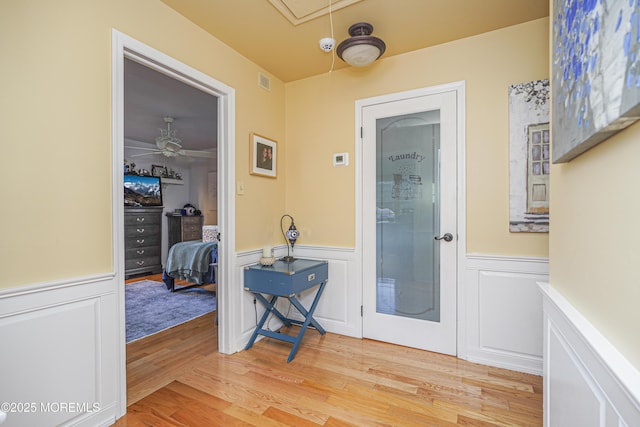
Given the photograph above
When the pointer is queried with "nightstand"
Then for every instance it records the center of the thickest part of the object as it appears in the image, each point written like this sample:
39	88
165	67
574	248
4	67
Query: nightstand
286	280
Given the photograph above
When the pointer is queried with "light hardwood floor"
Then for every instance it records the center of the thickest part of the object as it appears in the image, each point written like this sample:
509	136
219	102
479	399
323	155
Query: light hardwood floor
177	378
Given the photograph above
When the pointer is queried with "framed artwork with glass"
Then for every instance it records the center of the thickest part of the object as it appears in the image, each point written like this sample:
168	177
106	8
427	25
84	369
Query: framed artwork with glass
263	156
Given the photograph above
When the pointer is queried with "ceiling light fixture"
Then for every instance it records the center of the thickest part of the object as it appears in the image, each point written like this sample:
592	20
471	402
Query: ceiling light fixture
167	139
361	49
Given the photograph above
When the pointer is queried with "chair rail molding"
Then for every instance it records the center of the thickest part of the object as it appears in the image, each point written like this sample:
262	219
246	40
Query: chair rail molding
587	381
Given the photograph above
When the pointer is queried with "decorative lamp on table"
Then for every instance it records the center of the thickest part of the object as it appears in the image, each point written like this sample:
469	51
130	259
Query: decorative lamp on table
290	236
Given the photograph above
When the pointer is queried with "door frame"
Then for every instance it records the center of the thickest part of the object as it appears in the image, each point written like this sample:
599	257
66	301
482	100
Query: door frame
459	88
123	47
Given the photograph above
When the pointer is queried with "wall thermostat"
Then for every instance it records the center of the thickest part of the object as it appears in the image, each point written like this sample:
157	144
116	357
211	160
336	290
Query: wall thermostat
341	159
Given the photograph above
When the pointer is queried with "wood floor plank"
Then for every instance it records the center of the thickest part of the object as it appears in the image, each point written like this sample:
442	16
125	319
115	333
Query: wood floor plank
252	418
190	393
288	418
334	422
177	378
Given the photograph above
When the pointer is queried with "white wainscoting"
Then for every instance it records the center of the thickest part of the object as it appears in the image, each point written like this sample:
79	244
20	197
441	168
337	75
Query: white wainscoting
501	311
587	382
338	310
58	353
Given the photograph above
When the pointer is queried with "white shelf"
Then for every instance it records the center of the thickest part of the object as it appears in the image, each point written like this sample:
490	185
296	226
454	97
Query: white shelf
171	181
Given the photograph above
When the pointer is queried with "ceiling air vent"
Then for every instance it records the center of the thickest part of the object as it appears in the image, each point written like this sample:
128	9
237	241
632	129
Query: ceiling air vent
264	81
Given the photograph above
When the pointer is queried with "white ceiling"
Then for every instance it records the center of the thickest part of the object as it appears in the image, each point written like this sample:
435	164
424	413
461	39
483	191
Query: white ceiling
282	37
149	96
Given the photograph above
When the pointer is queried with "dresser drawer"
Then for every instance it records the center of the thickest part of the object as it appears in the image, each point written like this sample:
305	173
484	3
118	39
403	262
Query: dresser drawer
134	219
141	241
191	228
130	264
191	221
184	228
142	230
142	252
192	234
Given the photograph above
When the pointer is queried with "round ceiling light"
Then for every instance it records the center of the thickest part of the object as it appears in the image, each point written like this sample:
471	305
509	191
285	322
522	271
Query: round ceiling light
361	49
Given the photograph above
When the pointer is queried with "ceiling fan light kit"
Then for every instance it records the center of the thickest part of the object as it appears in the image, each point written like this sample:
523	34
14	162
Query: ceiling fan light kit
167	138
171	146
361	49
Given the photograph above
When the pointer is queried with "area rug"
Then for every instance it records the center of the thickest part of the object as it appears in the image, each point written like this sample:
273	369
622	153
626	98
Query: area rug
151	308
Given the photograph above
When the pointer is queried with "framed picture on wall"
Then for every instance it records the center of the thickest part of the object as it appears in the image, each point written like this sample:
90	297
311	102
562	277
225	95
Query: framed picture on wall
157	170
263	156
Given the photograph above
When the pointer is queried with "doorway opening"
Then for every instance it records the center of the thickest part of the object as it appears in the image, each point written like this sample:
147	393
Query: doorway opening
126	48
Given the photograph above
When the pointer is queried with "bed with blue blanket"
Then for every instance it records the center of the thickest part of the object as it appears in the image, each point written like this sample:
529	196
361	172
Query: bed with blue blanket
193	261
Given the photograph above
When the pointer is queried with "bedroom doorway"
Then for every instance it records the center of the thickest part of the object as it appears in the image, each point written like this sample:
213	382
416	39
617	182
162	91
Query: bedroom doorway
126	48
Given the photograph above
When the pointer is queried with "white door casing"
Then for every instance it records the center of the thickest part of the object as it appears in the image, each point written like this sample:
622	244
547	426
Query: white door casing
125	46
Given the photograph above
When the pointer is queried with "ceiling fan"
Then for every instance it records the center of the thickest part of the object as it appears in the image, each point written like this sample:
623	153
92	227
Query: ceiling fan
170	146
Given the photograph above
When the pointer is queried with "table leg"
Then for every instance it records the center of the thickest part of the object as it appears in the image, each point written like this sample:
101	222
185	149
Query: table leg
308	315
271	307
263	319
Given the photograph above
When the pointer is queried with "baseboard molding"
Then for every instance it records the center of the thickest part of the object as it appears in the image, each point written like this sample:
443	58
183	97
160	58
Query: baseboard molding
501	311
587	382
65	361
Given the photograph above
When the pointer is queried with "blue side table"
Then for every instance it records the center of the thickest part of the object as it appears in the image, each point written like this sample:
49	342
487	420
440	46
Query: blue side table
286	279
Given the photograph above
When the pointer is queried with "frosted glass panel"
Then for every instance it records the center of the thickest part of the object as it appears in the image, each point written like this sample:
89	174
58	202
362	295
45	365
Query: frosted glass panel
408	206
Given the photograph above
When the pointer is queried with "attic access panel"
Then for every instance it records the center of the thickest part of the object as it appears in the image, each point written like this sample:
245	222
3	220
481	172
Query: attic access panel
299	11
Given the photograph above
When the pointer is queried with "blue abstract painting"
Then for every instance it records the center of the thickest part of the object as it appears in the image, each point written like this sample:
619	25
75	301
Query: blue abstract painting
595	72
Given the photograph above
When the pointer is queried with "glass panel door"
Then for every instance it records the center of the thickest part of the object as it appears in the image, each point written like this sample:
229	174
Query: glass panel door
408	216
409	202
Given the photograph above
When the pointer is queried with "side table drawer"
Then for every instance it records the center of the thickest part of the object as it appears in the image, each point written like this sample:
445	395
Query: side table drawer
267	281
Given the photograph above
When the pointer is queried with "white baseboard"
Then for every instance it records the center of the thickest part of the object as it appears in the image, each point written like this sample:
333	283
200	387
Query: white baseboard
502	311
60	352
587	382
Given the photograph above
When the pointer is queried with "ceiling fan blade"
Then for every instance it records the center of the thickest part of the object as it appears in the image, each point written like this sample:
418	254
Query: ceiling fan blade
194	153
146	154
142	148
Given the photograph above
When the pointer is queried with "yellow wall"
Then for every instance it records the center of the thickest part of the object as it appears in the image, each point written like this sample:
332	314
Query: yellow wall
57	115
595	238
55	106
56	151
320	121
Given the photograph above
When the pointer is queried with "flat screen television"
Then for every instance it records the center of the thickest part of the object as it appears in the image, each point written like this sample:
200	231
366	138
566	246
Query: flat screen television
142	191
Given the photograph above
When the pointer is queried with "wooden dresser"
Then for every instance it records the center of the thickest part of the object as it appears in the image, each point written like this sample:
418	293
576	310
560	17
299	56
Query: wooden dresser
142	240
184	228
